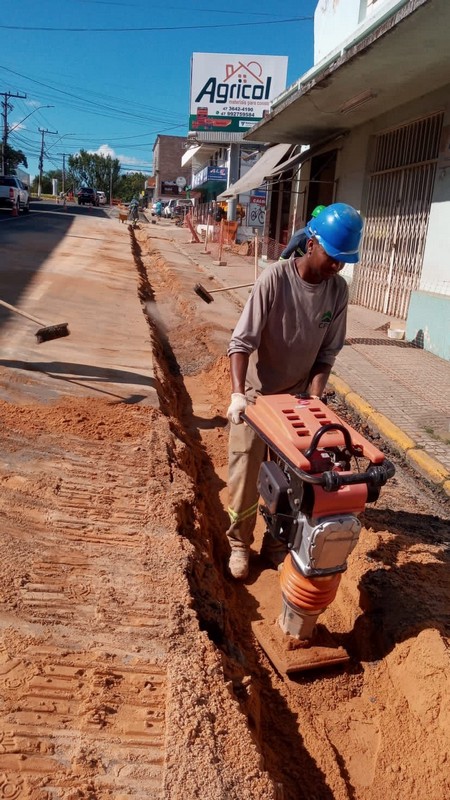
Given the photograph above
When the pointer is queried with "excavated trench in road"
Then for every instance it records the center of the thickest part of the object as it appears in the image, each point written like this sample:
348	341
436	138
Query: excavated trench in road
339	733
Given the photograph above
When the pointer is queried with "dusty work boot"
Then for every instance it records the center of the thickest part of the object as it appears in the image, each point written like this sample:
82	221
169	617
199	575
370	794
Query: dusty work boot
273	552
238	563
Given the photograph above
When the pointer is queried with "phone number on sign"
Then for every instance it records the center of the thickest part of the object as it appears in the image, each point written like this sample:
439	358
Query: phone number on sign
236	112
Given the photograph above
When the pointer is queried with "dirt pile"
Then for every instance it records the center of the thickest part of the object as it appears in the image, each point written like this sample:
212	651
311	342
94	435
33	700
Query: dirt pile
88	418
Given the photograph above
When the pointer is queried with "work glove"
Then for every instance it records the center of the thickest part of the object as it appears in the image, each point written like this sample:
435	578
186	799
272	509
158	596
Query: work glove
237	406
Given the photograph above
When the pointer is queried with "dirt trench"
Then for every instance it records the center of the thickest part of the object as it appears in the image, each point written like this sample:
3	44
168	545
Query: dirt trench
341	733
127	664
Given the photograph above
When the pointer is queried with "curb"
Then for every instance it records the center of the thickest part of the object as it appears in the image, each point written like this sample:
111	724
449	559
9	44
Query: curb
428	467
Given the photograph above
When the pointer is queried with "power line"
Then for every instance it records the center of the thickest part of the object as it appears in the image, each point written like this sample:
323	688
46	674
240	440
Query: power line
183	8
162	28
115	111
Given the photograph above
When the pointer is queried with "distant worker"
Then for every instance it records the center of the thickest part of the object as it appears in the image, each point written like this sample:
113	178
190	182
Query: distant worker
133	210
297	243
220	213
158	208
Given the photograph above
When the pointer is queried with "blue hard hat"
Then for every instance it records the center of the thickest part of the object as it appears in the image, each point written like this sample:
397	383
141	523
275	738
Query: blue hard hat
338	228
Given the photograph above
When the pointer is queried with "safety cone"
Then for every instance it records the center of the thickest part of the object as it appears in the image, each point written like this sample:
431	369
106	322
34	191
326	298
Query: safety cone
15	213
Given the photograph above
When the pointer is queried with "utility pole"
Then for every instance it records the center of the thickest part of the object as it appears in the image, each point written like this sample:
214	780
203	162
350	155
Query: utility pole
42	131
7	107
64	171
110	184
63	175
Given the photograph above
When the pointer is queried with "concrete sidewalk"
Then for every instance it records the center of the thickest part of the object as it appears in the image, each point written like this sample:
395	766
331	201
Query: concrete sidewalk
400	390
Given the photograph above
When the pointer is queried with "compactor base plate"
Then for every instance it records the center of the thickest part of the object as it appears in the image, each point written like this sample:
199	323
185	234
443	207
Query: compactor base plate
289	655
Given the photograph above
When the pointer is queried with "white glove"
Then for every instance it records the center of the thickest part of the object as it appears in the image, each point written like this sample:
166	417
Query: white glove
237	406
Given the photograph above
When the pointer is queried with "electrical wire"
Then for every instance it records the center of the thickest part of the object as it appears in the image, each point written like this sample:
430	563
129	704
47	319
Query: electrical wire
181	8
114	111
144	29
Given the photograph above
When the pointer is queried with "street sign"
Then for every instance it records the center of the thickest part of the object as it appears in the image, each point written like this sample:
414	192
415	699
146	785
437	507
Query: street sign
180	182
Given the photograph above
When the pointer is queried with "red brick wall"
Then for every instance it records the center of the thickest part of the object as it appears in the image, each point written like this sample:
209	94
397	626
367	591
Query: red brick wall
167	153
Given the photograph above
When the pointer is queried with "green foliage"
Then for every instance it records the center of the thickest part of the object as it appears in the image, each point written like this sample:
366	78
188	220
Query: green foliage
91	169
13	158
131	185
47	185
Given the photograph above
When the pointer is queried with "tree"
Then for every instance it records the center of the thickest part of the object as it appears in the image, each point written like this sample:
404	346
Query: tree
47	178
92	169
13	158
131	185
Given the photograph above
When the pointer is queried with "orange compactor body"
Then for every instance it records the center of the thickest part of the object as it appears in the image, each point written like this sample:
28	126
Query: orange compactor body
311	496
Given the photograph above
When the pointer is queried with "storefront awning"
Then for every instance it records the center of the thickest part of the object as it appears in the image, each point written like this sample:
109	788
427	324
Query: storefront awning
299	158
257	174
392	58
189	154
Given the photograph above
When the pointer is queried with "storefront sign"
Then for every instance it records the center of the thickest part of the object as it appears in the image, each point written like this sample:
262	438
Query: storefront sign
232	92
217	173
210	174
169	188
256	211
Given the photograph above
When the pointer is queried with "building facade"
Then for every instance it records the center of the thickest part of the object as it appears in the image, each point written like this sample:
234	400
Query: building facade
167	167
374	113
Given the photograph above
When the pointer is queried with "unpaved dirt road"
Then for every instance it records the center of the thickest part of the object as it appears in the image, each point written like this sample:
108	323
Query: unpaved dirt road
128	669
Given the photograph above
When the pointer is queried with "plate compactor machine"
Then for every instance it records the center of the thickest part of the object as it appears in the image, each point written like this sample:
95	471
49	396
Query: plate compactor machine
311	499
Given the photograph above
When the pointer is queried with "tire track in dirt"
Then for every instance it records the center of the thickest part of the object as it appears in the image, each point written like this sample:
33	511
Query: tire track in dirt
80	718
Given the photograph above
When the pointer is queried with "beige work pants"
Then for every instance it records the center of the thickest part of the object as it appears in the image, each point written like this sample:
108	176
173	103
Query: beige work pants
246	451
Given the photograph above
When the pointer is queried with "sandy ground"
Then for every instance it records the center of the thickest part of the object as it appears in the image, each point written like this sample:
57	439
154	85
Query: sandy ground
128	668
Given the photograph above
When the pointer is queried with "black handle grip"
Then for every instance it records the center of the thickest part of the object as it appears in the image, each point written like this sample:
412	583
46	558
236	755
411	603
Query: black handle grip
353	449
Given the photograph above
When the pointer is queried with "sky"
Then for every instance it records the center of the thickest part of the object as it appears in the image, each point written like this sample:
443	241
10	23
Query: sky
116	73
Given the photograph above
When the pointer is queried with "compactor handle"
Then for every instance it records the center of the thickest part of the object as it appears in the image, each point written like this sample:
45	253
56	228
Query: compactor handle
374	477
353	449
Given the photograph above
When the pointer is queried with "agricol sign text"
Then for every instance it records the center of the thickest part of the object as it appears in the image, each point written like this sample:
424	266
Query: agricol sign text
231	93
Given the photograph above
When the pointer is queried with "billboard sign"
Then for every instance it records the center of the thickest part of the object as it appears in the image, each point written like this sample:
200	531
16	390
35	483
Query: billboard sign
230	93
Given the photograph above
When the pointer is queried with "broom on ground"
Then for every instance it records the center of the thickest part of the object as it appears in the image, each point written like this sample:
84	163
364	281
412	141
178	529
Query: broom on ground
47	332
208	296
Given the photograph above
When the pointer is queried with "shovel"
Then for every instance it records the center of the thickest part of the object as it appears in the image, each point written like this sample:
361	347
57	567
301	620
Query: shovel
47	332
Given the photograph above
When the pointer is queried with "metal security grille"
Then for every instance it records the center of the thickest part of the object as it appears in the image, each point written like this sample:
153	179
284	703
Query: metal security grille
397	216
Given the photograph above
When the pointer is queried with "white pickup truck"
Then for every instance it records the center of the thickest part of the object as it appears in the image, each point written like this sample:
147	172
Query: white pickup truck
14	194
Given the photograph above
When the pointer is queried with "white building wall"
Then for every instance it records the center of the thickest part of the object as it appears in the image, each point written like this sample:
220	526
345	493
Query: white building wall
351	167
352	173
336	21
435	272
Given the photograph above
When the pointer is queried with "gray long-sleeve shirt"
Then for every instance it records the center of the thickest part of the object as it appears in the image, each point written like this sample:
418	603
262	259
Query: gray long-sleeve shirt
288	325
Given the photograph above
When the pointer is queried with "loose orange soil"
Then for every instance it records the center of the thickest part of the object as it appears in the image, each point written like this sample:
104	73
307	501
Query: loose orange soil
128	669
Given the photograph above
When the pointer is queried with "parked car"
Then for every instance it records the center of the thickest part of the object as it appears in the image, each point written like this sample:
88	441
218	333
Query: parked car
101	198
87	195
182	207
168	208
14	194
